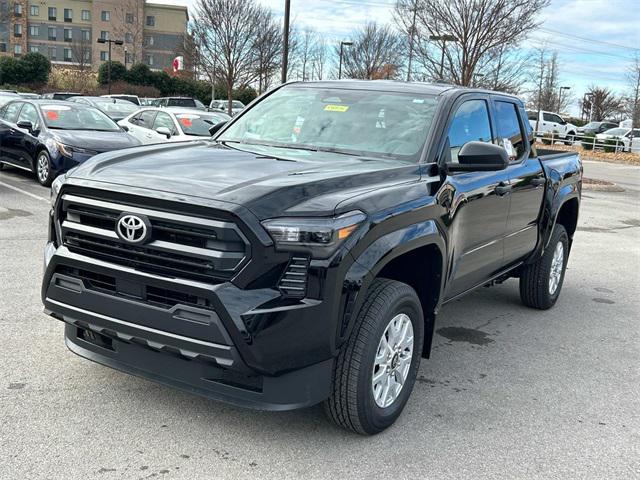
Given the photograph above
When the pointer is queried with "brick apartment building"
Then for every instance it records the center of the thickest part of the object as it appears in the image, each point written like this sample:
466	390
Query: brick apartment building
66	31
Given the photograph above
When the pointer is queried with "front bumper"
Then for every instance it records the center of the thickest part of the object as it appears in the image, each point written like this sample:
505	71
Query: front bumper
242	348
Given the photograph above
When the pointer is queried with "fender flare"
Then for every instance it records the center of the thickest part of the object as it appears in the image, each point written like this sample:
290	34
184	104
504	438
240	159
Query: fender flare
368	264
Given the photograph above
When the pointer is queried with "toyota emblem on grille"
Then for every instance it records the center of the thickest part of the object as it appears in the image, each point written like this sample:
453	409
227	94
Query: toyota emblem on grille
133	228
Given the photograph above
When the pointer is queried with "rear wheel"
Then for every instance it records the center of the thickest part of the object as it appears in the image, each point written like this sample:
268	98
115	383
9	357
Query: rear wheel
541	282
44	175
376	369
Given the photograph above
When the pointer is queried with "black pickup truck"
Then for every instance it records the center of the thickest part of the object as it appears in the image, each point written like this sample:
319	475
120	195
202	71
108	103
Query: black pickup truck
302	254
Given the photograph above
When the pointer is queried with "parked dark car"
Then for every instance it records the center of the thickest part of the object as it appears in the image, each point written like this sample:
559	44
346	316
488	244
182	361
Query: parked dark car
49	137
115	108
596	127
302	255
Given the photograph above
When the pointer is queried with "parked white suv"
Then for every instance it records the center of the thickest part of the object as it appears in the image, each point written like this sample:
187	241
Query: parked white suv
624	137
548	122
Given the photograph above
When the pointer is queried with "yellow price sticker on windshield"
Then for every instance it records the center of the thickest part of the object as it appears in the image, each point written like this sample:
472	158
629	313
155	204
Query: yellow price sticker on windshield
336	108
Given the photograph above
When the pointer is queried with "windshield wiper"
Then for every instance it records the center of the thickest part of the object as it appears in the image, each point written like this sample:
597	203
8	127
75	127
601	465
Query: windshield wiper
274	145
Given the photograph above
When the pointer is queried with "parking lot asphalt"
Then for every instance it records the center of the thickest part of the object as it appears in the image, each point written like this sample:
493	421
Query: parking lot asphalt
509	392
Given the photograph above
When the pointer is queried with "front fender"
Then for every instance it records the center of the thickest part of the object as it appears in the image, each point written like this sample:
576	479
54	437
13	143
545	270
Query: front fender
368	264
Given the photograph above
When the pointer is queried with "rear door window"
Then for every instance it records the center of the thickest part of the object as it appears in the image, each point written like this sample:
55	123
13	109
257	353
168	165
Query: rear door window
509	130
11	112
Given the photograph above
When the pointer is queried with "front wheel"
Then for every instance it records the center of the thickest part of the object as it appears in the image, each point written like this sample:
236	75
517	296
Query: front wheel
376	368
44	174
541	282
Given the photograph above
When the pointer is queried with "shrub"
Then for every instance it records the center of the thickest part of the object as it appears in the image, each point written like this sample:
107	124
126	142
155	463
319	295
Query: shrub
140	74
35	68
612	145
587	141
118	72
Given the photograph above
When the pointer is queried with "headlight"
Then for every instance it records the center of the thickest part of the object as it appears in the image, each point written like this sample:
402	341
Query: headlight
55	188
68	150
318	236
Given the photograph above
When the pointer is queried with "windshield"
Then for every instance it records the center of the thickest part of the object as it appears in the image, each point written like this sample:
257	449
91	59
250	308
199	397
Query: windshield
112	105
237	104
198	124
616	131
72	117
592	125
352	122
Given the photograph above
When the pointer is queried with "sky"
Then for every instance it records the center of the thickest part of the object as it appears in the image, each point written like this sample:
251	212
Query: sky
596	40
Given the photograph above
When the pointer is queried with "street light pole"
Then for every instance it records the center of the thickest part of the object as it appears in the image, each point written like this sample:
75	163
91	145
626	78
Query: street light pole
560	96
109	41
413	29
444	39
342	44
285	41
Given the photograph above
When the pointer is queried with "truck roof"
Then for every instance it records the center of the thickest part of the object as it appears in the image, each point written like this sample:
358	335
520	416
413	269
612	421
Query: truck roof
397	86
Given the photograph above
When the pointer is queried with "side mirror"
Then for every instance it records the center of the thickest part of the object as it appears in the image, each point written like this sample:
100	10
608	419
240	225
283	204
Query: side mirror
480	157
216	127
25	125
124	127
164	131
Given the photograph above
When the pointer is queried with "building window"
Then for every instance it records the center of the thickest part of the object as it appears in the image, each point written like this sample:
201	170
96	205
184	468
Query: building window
34	30
68	15
151	21
53	14
150	60
17	10
34	10
129	18
104	35
52	34
52	53
87	55
105	16
3	47
17	49
86	35
86	15
34	48
68	35
150	41
104	56
128	58
17	30
128	37
67	55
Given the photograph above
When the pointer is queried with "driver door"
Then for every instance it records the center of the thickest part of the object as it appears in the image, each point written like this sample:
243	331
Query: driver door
477	203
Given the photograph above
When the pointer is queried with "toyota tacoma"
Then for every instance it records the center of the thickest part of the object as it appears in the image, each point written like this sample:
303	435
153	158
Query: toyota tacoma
302	254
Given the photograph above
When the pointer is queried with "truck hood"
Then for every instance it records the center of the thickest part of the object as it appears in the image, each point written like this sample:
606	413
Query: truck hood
265	185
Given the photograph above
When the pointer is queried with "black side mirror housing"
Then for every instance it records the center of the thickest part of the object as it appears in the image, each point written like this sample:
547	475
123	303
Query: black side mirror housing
25	125
124	128
216	127
480	157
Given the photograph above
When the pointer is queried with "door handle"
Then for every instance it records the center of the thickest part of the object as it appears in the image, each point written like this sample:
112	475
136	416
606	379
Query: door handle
502	189
538	181
11	130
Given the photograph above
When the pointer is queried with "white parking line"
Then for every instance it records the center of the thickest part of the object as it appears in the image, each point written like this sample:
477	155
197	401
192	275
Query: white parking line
29	194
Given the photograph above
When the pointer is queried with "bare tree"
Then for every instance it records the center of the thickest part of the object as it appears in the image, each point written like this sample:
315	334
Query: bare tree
376	53
228	31
479	27
130	27
319	58
504	69
268	50
81	51
632	100
602	102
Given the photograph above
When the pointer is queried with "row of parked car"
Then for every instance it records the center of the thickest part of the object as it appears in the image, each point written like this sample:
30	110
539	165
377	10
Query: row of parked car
49	136
549	123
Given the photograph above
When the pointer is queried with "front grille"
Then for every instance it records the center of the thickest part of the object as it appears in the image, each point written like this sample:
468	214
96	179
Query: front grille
180	246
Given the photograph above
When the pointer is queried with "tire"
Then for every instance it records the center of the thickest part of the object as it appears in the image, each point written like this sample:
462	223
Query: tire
537	289
42	169
571	136
352	404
